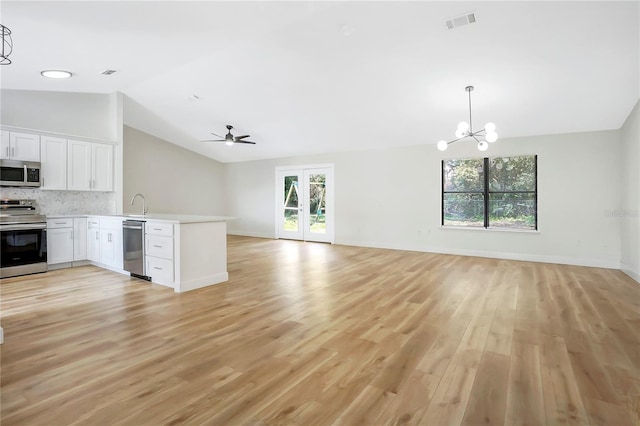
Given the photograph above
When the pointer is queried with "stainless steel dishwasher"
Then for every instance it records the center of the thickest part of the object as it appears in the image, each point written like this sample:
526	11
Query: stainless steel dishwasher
133	248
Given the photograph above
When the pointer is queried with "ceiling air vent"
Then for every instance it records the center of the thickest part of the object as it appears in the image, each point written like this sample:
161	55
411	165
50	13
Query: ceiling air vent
108	72
468	18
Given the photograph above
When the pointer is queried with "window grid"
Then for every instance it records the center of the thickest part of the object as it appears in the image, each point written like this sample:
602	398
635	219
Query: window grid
486	192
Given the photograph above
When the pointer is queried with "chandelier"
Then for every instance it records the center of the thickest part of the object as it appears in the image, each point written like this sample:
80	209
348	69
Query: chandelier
7	45
465	130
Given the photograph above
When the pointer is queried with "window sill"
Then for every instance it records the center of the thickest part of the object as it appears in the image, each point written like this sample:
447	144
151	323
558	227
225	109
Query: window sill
477	228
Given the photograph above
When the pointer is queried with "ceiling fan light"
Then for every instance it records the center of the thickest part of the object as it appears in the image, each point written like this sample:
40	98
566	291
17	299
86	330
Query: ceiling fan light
491	137
482	146
442	145
229	143
490	127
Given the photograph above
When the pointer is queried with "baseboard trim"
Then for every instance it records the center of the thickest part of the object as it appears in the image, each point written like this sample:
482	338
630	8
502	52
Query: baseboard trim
201	282
630	272
563	260
251	234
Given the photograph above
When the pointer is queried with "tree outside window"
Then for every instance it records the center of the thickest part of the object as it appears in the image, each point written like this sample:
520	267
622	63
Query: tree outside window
498	192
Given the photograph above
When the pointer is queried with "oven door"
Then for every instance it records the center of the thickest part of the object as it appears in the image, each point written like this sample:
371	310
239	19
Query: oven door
23	250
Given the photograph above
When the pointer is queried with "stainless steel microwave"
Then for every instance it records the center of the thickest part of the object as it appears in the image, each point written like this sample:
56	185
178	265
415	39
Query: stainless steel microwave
20	173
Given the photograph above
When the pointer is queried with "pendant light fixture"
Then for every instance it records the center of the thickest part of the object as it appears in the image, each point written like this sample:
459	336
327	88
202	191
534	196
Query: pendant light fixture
484	136
7	45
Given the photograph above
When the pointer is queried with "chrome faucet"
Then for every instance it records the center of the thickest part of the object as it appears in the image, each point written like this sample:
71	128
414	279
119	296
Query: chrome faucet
144	208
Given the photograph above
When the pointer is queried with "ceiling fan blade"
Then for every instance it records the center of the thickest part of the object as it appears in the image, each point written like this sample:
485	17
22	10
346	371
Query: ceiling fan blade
249	142
241	137
221	137
214	140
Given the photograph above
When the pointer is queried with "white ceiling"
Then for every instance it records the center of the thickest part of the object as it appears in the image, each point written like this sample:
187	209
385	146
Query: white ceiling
313	77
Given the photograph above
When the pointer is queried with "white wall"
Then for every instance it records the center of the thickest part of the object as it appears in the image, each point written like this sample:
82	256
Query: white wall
172	179
629	213
391	198
85	115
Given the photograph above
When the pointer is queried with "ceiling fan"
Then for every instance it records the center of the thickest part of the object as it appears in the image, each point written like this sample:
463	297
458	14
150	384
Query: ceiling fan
229	139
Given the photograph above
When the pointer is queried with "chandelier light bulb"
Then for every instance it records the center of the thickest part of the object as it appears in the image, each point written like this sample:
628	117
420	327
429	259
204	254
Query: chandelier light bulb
491	137
464	131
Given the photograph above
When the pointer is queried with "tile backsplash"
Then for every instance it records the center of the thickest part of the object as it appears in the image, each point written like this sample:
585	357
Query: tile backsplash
65	202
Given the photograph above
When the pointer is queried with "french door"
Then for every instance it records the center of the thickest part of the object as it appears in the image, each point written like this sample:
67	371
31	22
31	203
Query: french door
305	203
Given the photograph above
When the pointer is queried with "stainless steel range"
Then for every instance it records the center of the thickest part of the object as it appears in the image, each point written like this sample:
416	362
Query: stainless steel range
24	238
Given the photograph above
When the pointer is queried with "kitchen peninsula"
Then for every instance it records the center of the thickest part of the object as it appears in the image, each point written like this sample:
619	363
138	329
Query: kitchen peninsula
184	252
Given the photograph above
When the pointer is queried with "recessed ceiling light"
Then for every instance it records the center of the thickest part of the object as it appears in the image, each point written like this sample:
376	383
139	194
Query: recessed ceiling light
56	74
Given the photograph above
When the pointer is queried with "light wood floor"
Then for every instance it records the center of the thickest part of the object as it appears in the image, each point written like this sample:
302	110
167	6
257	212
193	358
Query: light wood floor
314	334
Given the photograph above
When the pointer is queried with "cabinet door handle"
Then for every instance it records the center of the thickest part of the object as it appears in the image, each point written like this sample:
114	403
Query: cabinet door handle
157	246
42	181
60	223
155	267
13	152
157	229
97	235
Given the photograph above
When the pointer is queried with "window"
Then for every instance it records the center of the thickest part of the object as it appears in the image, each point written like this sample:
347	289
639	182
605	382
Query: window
500	192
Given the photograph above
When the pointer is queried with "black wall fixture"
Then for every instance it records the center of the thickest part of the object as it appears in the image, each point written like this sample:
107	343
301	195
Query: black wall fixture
7	45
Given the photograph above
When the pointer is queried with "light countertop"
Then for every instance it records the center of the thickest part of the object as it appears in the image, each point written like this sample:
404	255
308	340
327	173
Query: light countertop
160	217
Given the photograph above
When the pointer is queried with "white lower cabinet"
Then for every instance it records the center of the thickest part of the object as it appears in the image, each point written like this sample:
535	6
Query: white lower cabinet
79	238
93	239
111	242
59	241
160	270
66	240
159	256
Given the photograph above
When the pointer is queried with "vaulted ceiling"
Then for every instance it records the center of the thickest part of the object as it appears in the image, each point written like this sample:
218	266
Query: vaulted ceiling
310	77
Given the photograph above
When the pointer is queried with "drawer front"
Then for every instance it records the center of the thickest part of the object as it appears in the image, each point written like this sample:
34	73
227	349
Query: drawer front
93	222
160	270
60	223
159	228
159	246
110	223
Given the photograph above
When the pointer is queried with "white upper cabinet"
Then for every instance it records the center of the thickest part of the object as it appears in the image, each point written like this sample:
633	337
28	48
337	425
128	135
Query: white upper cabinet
90	166
53	156
78	165
5	146
20	146
102	167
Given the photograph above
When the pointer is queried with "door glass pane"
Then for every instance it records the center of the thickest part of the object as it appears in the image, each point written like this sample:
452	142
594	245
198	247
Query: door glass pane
291	203
317	204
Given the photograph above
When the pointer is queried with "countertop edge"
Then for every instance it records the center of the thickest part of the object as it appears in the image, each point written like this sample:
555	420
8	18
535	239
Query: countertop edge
168	218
